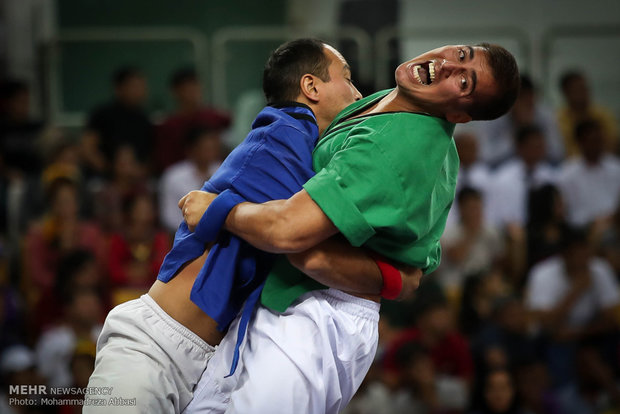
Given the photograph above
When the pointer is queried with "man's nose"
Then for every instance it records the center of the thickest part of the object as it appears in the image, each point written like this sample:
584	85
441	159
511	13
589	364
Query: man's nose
357	94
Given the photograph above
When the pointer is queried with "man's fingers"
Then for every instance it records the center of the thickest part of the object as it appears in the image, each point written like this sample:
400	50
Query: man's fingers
182	202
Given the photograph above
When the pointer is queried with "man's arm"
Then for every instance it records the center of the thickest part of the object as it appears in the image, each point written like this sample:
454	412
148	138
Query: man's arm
299	227
278	226
337	264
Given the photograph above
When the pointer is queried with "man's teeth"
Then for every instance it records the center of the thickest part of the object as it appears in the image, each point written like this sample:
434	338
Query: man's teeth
416	74
431	73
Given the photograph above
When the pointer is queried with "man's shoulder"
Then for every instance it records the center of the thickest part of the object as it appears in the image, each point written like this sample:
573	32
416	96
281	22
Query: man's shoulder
403	134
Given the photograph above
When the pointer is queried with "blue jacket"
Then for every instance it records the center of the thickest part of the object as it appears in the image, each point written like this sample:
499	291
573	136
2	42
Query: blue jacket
273	162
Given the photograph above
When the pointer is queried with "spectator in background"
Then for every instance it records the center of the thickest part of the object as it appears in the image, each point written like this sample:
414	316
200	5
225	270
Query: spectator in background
203	157
20	159
505	341
471	246
573	297
595	390
590	183
120	122
59	231
128	177
413	389
480	292
473	173
63	162
56	347
82	365
138	250
498	135
609	243
18	368
499	394
12	320
19	133
449	352
545	223
578	107
508	196
513	180
79	270
534	388
190	113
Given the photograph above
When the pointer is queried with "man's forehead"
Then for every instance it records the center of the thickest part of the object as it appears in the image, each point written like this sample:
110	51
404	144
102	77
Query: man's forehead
336	53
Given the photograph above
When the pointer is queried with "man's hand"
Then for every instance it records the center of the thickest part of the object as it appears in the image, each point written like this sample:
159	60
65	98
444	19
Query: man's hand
411	280
193	206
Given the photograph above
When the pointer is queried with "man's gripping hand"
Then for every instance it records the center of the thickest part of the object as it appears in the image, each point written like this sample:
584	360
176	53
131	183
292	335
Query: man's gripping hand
411	277
193	206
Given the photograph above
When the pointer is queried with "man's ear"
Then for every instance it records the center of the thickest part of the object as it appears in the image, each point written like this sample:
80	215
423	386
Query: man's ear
458	117
308	86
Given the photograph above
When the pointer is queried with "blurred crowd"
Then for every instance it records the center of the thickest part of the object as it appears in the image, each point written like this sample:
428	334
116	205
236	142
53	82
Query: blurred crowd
521	317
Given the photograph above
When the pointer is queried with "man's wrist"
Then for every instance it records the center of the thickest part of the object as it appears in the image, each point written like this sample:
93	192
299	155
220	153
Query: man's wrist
214	218
392	279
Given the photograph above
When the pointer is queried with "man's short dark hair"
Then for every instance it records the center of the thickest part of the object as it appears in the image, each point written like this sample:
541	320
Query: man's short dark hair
467	193
183	75
288	63
506	75
527	85
568	77
122	75
526	132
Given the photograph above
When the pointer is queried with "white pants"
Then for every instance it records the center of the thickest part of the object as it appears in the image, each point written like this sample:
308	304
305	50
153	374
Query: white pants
310	359
151	361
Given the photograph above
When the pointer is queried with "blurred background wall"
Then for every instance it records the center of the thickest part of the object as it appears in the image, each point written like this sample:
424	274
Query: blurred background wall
61	46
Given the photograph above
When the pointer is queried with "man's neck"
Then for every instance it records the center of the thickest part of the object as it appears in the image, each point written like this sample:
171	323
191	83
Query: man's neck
321	120
393	102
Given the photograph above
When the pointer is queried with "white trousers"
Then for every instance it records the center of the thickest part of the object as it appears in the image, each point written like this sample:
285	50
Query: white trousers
149	360
310	359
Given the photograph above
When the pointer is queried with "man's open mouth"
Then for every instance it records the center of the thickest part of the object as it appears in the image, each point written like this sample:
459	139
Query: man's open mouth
424	72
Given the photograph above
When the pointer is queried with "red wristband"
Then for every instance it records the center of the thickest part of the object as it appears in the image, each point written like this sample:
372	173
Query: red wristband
392	281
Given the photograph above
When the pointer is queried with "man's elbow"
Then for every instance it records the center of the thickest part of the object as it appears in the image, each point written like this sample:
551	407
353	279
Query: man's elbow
286	236
310	262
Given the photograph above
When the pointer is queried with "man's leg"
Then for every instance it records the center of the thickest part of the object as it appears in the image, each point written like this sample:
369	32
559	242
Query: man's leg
148	361
310	359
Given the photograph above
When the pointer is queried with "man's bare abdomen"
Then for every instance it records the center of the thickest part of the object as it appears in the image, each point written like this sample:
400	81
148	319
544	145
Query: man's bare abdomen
173	298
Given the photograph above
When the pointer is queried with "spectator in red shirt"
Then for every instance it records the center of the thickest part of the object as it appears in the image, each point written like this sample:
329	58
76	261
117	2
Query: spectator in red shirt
448	349
60	231
136	252
191	113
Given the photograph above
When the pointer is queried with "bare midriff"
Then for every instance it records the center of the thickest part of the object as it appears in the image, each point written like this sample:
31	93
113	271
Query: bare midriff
173	298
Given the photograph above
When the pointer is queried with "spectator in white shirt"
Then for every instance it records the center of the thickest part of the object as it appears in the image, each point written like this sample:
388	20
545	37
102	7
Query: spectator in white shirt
473	173
507	199
573	298
204	153
56	347
590	183
471	247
